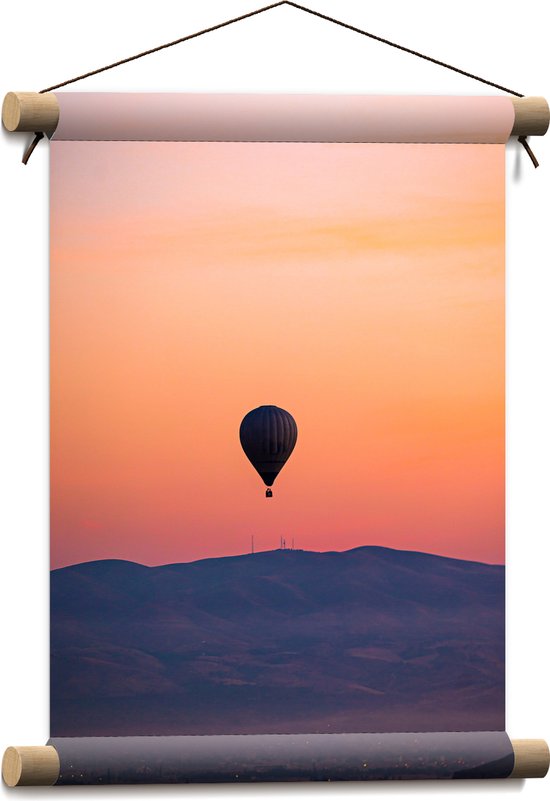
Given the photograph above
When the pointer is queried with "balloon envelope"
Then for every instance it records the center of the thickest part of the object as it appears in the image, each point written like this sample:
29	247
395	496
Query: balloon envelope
268	435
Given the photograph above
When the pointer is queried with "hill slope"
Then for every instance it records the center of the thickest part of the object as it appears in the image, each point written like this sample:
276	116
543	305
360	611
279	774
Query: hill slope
371	639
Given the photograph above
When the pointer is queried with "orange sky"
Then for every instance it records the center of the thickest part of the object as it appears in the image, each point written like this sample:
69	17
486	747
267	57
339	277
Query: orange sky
360	287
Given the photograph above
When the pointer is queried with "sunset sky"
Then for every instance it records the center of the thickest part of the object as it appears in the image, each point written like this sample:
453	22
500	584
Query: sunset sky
360	287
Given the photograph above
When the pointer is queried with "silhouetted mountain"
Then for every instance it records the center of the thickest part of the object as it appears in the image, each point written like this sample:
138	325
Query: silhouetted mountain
371	639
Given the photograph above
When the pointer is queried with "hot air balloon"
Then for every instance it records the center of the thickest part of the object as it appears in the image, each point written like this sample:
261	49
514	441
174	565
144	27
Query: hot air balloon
268	435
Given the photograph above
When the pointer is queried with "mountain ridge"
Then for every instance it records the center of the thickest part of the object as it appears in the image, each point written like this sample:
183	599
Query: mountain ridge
358	548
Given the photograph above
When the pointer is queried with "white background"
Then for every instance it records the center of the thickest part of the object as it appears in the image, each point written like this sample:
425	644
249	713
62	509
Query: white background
281	50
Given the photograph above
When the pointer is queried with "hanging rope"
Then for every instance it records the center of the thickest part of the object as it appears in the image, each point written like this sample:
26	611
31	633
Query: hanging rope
164	46
255	13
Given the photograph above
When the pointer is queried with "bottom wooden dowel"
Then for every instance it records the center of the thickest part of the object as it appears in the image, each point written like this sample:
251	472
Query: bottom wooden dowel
531	759
30	765
38	765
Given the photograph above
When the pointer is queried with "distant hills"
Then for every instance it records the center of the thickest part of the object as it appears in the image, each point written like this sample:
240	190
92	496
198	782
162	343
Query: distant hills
371	639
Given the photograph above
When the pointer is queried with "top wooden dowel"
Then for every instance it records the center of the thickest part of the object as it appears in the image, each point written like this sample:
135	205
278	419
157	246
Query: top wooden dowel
532	116
32	112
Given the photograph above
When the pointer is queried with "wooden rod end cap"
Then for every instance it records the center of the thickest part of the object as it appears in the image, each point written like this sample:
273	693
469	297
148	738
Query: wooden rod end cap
30	765
11	113
532	116
531	759
30	112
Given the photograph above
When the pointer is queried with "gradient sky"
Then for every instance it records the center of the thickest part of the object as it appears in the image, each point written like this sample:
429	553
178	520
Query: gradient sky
361	287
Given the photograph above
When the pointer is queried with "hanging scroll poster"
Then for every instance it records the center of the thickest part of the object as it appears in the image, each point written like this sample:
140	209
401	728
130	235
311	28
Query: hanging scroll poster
277	416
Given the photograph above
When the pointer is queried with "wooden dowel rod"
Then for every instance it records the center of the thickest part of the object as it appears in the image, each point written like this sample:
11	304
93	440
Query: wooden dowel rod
532	116
38	765
30	765
31	112
531	759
